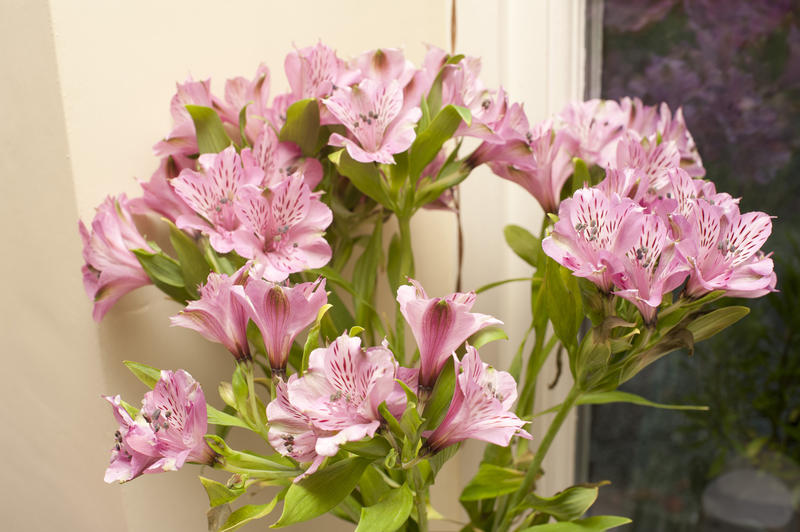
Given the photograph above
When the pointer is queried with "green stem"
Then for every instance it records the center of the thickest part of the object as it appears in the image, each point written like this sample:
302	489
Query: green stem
251	395
420	500
406	270
544	446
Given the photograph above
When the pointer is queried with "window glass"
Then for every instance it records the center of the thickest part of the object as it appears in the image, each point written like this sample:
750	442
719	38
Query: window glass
734	68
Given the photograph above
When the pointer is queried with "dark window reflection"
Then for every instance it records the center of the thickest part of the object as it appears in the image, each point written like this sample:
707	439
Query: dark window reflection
734	67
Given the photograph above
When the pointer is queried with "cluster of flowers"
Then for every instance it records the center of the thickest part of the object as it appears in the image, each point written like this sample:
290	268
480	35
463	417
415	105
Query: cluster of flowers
337	400
256	197
653	223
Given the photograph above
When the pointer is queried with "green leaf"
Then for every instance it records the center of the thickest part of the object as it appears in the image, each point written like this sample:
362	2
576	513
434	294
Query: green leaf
372	448
211	136
255	465
218	417
523	243
485	336
429	141
616	396
561	303
566	505
597	523
441	396
243	125
312	340
389	513
322	491
193	264
394	263
219	493
492	481
365	272
710	324
364	176
250	512
428	191
302	126
147	374
165	272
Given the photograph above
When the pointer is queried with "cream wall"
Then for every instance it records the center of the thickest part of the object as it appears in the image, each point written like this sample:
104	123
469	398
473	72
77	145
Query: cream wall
90	82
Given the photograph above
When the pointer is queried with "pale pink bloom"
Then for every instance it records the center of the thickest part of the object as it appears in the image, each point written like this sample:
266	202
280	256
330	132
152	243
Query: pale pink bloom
652	268
290	431
282	230
280	313
175	411
158	194
481	407
342	390
111	270
384	65
315	72
168	431
440	325
279	160
241	92
371	111
653	160
182	139
724	252
126	462
213	194
593	233
422	81
658	124
673	128
461	85
594	126
536	159
218	315
626	183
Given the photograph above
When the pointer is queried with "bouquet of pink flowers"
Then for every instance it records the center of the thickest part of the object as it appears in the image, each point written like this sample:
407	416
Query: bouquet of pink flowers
278	215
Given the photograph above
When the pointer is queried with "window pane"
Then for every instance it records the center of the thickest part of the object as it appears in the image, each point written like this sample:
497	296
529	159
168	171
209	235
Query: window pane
734	68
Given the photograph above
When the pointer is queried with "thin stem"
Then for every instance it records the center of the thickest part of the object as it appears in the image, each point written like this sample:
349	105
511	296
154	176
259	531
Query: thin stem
541	452
420	500
251	395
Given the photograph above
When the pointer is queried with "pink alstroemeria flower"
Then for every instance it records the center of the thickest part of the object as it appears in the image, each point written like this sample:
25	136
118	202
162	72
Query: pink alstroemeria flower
371	111
181	141
218	315
158	195
342	390
461	85
652	268
536	159
279	160
280	313
595	126
213	194
481	407
168	431
241	92
724	252
291	432
315	72
111	270
384	65
126	462
440	325
282	229
654	160
593	233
